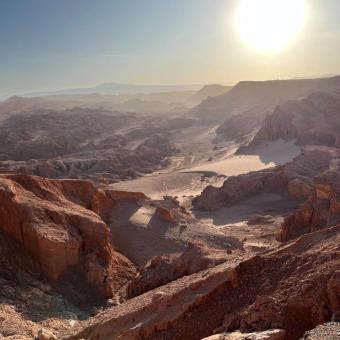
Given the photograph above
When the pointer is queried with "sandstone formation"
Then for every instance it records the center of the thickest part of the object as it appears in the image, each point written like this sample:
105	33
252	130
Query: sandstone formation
311	120
330	330
59	230
260	96
291	292
273	334
310	180
293	179
238	188
166	268
79	260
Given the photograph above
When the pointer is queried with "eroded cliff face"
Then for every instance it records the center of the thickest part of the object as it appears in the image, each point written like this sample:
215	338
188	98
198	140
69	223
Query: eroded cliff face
61	225
293	288
311	120
321	209
163	269
310	180
294	179
63	231
260	96
238	188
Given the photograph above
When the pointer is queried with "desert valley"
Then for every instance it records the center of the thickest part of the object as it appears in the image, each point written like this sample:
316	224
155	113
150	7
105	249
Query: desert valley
219	220
170	170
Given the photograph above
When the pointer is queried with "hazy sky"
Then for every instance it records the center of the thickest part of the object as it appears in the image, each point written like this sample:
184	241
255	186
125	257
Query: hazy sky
54	44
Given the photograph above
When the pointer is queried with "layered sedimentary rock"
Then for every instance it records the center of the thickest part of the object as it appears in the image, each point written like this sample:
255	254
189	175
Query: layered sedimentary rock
321	209
291	288
311	180
311	120
330	330
272	334
260	96
166	268
238	188
60	229
294	179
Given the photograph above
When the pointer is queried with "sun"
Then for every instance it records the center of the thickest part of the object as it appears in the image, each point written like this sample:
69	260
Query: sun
270	25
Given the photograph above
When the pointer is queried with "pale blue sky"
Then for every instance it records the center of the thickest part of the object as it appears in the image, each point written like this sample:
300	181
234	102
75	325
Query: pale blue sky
55	44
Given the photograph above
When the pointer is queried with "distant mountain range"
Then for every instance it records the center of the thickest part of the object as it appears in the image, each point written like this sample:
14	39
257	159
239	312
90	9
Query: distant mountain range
117	88
261	96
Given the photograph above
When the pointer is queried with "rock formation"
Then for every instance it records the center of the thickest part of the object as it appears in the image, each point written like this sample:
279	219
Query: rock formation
330	330
166	268
260	96
272	334
289	288
60	229
321	209
83	143
311	120
79	260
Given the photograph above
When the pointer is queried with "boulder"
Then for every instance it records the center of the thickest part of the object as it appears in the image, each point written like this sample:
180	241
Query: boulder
44	334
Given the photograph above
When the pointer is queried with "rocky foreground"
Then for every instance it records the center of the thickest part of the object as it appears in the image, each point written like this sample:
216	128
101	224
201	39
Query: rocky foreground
57	243
293	288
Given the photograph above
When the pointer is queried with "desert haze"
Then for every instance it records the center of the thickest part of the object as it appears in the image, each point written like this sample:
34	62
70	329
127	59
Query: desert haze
156	185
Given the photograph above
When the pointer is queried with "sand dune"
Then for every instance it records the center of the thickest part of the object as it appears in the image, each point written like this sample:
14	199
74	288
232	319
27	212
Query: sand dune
192	180
266	156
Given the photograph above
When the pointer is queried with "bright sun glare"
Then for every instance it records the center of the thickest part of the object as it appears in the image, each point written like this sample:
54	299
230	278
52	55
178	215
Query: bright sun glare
269	25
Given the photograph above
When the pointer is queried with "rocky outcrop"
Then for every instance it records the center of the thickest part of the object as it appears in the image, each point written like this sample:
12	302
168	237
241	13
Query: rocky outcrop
313	120
311	180
207	91
60	225
163	269
294	179
327	331
260	96
273	334
321	208
238	188
291	292
240	127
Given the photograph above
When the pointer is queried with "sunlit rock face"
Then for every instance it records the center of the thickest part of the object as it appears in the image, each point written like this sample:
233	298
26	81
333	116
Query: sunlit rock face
260	97
312	120
60	226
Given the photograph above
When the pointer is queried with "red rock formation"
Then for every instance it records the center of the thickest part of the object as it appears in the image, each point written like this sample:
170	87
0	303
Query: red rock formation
292	288
238	188
273	334
327	331
125	195
60	225
311	180
165	213
163	269
321	209
313	120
